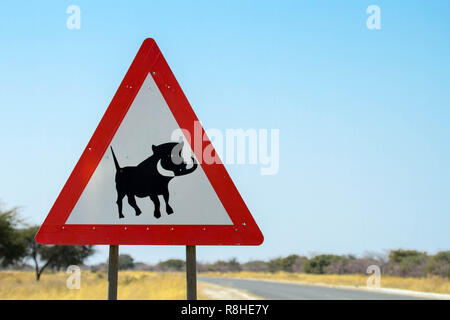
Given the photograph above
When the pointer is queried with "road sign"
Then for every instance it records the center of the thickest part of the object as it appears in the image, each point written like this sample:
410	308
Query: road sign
139	181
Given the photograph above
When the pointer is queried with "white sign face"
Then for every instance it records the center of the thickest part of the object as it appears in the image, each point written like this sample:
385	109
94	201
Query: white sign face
191	198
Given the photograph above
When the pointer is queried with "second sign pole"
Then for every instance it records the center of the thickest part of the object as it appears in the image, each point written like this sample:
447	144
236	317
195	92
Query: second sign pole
191	273
113	270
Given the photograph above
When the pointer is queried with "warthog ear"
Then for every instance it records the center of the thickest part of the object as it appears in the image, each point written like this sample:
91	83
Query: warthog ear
153	148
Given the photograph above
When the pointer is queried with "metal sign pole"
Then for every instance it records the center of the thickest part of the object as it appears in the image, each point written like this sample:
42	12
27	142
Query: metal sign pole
191	273
113	269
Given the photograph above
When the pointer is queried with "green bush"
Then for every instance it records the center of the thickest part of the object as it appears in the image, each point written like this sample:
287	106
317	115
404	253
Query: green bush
318	264
291	263
126	262
439	264
171	265
407	263
406	256
12	248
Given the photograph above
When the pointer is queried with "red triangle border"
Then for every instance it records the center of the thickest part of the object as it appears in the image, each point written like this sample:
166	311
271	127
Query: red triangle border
243	231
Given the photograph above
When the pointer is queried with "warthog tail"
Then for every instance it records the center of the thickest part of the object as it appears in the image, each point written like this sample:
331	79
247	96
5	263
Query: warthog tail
115	160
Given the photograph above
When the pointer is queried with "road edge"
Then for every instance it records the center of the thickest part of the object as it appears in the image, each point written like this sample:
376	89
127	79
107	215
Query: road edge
411	293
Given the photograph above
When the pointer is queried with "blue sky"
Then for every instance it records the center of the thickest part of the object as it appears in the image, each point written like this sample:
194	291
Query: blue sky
363	114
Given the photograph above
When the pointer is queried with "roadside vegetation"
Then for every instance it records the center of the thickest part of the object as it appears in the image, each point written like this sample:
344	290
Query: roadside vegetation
401	263
19	252
135	285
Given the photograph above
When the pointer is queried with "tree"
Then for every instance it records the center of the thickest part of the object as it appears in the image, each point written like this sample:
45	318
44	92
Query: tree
407	263
231	265
256	266
351	265
234	265
298	264
33	248
408	256
171	265
319	264
275	265
125	262
12	248
291	263
439	264
61	256
54	257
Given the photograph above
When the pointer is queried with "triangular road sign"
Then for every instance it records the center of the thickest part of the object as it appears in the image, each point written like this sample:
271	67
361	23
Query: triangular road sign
136	184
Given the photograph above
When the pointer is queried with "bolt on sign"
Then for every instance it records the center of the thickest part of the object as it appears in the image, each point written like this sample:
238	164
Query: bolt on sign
135	185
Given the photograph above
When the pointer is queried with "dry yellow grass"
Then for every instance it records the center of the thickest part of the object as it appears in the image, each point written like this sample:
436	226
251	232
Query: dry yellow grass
141	285
429	284
137	285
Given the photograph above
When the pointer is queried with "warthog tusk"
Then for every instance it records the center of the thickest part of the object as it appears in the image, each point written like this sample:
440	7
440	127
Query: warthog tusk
189	165
164	172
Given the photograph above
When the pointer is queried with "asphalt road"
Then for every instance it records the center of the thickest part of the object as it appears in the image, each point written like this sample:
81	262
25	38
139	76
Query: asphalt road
288	291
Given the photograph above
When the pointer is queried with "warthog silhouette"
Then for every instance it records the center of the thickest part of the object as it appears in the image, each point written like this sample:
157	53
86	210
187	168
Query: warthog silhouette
151	177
